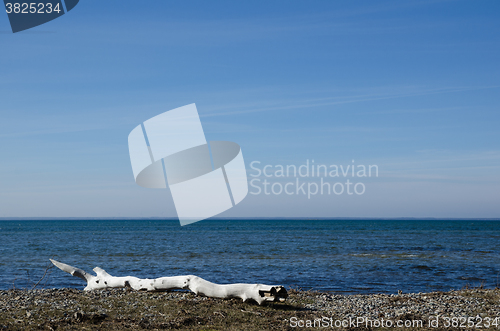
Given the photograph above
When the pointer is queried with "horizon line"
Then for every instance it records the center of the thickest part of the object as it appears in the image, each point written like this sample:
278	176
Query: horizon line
404	218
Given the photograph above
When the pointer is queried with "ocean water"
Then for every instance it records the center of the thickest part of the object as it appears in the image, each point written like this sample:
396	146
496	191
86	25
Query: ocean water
343	256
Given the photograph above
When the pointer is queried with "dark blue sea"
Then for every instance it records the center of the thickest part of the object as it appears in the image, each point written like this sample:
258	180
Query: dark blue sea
343	256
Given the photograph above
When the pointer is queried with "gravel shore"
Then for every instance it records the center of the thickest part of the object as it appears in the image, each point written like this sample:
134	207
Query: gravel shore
123	309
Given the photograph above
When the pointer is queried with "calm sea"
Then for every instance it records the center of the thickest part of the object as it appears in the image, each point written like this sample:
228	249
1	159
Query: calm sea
345	256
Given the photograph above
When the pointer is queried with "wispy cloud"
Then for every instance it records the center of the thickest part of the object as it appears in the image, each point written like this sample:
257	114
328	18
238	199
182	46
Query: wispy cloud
450	165
339	100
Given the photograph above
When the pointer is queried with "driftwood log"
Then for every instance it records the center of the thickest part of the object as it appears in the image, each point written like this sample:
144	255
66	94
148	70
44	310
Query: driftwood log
102	280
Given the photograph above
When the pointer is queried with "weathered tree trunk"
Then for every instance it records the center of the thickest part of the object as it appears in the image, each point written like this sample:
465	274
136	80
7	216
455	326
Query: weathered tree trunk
258	292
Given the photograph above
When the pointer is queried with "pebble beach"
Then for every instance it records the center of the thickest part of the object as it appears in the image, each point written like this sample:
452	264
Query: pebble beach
124	309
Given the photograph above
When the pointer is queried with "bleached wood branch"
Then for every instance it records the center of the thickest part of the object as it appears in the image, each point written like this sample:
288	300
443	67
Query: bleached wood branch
102	280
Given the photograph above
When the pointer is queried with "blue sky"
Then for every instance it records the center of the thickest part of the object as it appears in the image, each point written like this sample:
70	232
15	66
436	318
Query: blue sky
413	87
